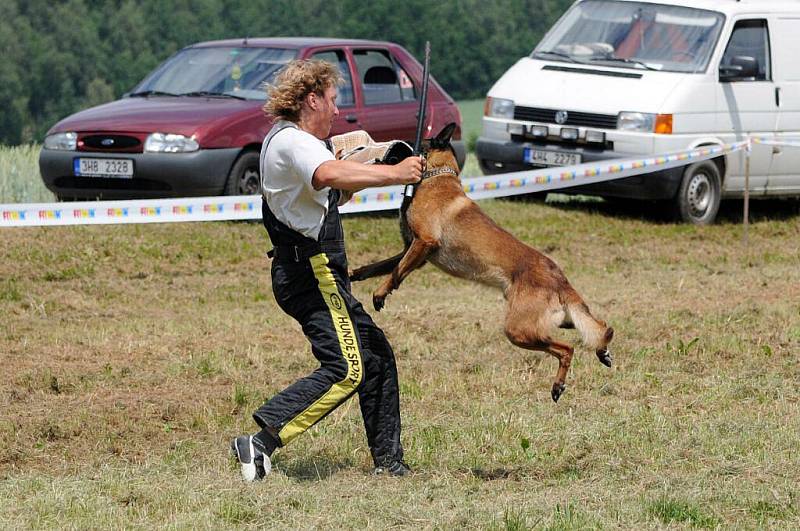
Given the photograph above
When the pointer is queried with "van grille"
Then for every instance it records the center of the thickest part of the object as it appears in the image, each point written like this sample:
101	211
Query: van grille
583	119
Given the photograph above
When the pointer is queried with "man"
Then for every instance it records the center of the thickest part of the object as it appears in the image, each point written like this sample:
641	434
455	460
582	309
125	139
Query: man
302	186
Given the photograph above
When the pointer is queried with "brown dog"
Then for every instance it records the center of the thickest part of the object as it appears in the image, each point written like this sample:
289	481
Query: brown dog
443	226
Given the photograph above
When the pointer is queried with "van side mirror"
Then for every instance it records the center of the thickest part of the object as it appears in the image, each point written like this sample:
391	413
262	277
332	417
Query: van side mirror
741	67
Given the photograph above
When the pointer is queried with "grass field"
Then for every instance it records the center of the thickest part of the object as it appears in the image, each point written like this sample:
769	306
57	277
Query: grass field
20	181
471	120
132	354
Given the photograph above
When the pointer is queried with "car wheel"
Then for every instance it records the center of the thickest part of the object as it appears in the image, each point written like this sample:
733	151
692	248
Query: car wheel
699	194
244	178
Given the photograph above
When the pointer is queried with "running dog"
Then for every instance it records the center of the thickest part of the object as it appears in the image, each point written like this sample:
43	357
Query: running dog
443	226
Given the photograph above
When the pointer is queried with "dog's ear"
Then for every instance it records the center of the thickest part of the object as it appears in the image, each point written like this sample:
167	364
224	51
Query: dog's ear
442	140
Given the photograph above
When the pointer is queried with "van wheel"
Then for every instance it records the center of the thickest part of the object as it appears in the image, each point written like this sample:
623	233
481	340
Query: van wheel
699	194
244	176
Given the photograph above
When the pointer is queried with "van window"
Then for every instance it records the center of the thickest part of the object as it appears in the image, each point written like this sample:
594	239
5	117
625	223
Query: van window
382	79
633	35
344	92
750	38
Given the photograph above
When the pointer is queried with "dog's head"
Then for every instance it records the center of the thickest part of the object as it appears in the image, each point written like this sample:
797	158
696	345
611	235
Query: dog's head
439	151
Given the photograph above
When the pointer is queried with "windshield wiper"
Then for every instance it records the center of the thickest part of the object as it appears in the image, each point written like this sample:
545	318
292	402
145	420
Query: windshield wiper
623	60
559	54
146	93
209	94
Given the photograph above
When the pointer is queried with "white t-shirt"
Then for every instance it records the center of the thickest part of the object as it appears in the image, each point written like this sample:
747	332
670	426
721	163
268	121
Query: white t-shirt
288	163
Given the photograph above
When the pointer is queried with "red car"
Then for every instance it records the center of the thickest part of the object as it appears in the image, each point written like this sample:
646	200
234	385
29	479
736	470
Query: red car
194	126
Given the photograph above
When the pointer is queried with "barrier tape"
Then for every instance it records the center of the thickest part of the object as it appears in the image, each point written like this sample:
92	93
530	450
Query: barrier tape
249	207
788	142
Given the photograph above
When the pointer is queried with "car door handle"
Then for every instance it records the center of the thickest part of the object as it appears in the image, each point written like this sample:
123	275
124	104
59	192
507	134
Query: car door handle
777	96
351	118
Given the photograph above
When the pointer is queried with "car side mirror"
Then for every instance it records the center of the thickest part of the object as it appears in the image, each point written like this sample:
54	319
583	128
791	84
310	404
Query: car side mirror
741	67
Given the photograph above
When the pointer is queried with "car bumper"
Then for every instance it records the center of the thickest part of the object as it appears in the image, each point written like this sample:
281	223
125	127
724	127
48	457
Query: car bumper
501	157
200	173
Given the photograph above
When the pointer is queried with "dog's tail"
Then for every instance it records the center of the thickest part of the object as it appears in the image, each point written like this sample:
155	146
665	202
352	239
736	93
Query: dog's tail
595	333
384	267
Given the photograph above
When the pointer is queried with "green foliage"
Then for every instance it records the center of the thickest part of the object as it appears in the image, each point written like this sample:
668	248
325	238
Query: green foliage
65	56
669	510
681	348
567	517
9	290
19	175
471	121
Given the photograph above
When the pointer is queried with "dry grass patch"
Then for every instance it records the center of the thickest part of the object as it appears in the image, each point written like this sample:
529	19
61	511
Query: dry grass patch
132	354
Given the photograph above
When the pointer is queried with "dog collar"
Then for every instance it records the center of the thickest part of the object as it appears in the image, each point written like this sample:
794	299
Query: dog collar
439	171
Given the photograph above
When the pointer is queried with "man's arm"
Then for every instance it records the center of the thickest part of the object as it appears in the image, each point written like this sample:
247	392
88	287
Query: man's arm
353	176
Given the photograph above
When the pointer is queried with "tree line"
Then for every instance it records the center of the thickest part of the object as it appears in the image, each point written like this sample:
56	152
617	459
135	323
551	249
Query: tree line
65	55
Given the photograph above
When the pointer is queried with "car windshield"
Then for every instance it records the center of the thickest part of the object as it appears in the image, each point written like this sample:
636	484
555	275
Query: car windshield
633	35
217	71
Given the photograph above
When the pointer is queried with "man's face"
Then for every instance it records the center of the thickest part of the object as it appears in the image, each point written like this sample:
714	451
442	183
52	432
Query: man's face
324	112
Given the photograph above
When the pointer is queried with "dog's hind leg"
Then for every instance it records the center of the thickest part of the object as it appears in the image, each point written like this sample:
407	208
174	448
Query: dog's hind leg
531	318
384	267
561	351
415	257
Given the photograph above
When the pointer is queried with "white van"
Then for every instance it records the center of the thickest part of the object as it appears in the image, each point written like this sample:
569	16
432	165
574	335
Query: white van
620	78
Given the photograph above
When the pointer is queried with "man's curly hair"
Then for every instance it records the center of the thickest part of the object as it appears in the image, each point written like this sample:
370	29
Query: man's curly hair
294	82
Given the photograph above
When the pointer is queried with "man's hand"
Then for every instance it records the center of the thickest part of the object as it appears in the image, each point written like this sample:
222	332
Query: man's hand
409	171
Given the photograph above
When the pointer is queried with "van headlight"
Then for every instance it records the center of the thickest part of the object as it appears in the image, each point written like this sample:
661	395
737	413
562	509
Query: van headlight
170	143
641	122
61	141
499	108
645	122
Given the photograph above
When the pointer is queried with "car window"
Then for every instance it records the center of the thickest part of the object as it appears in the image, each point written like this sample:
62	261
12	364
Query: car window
345	96
237	71
382	79
750	38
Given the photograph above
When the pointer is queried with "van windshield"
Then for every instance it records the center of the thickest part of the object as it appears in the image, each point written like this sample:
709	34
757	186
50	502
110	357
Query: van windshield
635	35
216	71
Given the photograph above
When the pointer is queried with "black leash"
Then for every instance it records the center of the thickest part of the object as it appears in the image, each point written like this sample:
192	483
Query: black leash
408	192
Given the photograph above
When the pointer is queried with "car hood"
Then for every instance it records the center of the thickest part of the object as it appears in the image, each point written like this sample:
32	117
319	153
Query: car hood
180	115
577	87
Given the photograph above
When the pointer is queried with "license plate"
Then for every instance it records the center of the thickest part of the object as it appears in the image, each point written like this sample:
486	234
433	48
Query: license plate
116	168
551	158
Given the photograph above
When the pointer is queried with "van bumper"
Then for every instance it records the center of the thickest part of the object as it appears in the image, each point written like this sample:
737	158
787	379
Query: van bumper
496	156
155	175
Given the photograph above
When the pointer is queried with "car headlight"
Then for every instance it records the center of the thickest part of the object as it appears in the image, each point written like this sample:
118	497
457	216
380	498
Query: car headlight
499	108
61	141
170	143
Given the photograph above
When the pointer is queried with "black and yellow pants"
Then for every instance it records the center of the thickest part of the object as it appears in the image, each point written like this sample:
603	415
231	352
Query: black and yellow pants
354	356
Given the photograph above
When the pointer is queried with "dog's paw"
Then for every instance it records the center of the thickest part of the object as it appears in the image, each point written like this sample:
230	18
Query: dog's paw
356	274
378	301
558	389
604	355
